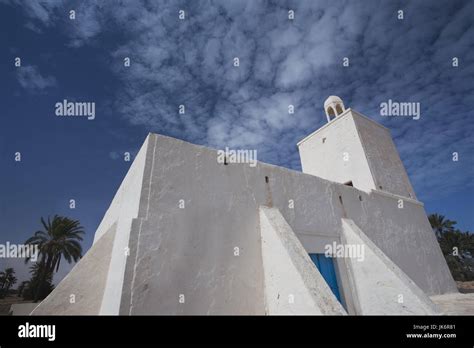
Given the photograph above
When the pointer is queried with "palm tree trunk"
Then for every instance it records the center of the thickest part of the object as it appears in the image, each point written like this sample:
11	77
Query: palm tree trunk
43	273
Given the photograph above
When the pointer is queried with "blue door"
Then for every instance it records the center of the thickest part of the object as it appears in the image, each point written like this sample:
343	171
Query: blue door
325	266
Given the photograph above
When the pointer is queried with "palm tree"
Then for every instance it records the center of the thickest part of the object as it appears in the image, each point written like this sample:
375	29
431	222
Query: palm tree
23	285
441	225
450	240
60	238
37	288
7	279
10	278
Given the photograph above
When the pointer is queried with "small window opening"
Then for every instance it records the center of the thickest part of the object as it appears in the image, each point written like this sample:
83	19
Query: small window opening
331	113
360	198
380	187
340	199
266	179
324	140
349	183
225	161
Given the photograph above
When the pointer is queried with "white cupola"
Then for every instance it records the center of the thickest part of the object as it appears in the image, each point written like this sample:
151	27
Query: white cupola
333	107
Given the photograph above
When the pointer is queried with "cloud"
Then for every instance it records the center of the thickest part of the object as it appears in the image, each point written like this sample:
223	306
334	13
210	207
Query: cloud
31	79
190	62
87	23
40	12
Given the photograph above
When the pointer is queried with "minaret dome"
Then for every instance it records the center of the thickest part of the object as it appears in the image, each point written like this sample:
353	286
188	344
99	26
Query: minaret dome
333	106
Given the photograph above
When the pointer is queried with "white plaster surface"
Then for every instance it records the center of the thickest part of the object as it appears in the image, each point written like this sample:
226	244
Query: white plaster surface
355	148
191	251
404	235
335	152
380	286
382	156
123	209
86	282
293	285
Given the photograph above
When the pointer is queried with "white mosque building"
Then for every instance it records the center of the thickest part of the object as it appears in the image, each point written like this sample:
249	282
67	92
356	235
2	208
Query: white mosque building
186	234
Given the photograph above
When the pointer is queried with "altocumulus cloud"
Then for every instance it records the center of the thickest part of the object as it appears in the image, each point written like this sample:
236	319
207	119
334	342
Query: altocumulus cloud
30	78
190	62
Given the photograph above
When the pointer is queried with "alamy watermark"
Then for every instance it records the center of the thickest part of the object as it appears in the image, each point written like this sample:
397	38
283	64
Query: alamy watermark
355	251
405	109
28	330
68	108
30	251
237	156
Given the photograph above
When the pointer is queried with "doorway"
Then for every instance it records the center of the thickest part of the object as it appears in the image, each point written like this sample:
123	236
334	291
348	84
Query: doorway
325	266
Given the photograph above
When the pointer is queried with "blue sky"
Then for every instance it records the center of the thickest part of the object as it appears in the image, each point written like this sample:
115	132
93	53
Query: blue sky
190	62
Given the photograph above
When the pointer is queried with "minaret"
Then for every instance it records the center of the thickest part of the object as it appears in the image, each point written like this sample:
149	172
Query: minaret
333	106
354	150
